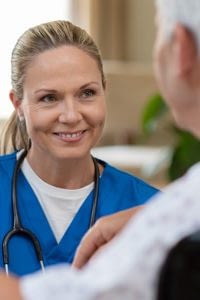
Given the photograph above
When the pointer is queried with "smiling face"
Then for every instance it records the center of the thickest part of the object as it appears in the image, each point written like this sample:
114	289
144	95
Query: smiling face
63	104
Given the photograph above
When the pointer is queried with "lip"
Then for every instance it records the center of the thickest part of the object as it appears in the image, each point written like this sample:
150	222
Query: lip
70	137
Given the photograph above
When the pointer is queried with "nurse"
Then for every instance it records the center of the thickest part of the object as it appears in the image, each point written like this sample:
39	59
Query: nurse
58	92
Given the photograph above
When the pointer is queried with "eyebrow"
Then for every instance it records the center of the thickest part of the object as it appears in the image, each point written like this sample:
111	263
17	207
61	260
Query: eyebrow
54	91
45	90
88	84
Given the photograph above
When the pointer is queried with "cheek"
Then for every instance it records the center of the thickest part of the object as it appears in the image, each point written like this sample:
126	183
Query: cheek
32	125
97	124
35	121
161	57
97	115
160	67
98	121
101	116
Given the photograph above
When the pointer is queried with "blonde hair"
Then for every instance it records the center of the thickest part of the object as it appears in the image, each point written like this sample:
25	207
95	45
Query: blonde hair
31	43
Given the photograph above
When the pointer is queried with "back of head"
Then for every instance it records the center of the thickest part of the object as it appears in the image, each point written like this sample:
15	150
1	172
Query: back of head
185	12
31	43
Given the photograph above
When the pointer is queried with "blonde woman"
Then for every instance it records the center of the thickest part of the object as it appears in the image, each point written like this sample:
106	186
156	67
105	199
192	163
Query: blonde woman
58	190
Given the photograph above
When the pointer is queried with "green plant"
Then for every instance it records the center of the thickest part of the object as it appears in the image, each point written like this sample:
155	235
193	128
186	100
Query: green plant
186	150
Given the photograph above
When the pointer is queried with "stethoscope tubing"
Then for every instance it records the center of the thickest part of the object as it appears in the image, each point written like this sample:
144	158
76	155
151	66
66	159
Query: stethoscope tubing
18	229
30	236
96	192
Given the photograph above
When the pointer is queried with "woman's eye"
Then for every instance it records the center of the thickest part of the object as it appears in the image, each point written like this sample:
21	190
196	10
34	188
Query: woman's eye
49	98
88	93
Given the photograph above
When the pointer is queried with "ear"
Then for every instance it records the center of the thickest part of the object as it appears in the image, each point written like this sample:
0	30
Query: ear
17	104
185	50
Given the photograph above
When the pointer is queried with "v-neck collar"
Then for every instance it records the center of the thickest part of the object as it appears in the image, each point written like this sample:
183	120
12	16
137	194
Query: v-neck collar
34	219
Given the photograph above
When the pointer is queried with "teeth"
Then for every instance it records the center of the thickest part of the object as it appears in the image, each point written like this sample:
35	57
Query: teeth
70	135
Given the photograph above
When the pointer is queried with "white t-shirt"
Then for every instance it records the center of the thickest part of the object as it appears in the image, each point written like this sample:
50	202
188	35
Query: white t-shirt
128	268
59	205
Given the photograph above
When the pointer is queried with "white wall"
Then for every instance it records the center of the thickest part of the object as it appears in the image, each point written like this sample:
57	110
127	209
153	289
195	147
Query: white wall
15	17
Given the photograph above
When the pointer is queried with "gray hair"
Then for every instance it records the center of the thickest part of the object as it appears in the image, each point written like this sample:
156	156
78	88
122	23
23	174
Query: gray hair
185	12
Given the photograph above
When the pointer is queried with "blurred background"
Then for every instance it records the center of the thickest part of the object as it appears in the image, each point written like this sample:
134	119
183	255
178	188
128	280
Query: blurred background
139	135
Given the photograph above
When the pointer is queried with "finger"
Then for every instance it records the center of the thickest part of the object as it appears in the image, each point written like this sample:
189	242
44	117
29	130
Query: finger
92	241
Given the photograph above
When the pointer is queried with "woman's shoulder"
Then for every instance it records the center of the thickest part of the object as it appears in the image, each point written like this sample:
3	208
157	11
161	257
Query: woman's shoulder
7	157
125	187
7	162
122	175
115	171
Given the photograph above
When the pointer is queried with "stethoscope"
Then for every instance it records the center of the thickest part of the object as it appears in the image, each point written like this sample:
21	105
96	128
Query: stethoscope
18	229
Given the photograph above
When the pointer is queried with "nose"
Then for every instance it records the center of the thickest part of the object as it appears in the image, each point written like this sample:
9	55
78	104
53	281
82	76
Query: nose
69	112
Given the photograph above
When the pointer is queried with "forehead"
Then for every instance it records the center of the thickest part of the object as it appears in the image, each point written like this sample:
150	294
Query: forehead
65	54
66	63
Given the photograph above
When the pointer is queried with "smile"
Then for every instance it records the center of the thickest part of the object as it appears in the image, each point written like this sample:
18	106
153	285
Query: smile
70	137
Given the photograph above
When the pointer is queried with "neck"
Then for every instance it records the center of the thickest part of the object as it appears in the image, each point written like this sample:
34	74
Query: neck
68	173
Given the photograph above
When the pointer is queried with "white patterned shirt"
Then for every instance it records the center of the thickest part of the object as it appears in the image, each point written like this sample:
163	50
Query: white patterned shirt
128	267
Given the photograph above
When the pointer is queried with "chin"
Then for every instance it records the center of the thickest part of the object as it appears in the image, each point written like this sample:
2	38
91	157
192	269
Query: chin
181	123
187	125
180	118
70	154
195	131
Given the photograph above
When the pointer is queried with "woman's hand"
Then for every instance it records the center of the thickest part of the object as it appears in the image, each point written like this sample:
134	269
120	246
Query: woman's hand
101	233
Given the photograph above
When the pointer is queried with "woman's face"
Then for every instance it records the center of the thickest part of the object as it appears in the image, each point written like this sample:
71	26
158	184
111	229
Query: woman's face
63	103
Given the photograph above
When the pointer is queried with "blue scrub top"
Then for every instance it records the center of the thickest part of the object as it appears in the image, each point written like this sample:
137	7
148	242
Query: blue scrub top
118	190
